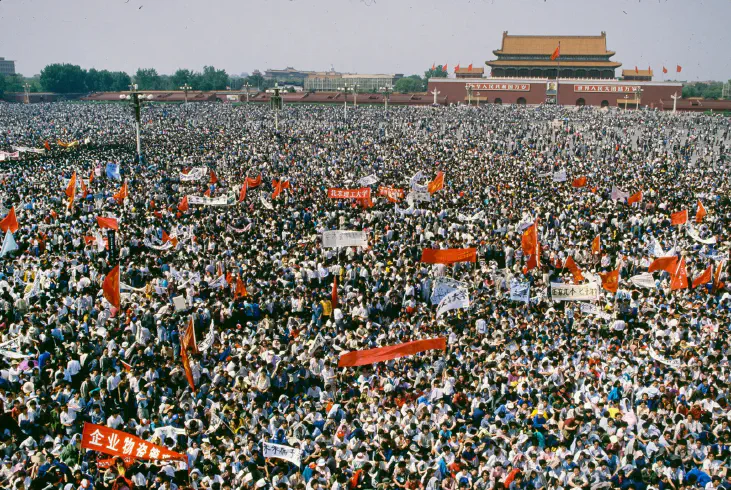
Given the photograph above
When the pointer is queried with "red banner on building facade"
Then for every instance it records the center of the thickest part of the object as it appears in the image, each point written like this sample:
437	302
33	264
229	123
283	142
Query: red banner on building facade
362	193
117	443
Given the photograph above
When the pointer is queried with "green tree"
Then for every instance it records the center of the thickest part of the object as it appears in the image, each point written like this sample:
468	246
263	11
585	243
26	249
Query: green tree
3	84
256	81
120	81
711	90
410	84
148	79
63	78
437	72
212	79
181	77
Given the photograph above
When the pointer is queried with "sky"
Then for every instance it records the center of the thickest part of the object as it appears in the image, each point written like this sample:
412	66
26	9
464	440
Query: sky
359	36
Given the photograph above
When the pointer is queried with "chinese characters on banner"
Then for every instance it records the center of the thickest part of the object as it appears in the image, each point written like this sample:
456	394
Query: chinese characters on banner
362	193
344	238
287	453
620	89
574	292
117	443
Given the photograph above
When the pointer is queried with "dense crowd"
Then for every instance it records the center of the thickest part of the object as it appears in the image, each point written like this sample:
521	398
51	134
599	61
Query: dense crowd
630	394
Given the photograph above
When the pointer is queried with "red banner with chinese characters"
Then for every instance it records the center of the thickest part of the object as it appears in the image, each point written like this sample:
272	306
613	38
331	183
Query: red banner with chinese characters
362	193
117	443
391	192
103	464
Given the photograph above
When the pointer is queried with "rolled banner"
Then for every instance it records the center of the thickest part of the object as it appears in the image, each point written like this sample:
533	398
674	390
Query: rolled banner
449	255
381	354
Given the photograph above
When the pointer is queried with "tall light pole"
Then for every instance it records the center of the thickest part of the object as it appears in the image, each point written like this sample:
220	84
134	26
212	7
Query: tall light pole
276	102
675	98
469	94
246	86
26	89
626	97
135	97
355	96
344	89
185	89
386	94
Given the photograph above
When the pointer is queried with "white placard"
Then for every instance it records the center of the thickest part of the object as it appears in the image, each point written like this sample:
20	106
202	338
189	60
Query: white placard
644	280
456	299
443	286
559	176
416	196
344	238
196	173
519	291
368	180
179	303
207	201
574	292
287	453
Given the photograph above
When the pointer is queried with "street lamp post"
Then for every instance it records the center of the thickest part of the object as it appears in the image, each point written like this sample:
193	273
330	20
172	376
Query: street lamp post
135	97
626	97
26	89
355	96
185	89
246	86
386	94
469	94
344	89
276	105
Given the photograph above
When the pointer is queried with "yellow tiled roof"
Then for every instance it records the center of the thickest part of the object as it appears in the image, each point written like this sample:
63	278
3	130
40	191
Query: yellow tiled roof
638	73
546	45
564	63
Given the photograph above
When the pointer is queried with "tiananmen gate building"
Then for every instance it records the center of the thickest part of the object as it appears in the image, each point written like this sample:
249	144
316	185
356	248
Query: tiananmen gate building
582	74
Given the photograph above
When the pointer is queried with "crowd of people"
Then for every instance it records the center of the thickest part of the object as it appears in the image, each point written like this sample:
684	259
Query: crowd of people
629	390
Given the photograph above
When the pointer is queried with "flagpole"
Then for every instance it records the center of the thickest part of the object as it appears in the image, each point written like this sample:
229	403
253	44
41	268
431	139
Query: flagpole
558	70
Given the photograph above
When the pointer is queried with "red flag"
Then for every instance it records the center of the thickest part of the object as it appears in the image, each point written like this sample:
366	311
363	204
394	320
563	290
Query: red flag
186	367
456	68
580	182
529	239
167	238
596	245
105	222
110	287
183	206
240	291
122	444
253	183
679	279
448	256
667	264
122	194
678	68
91	176
717	284
664	70
9	222
534	260
610	281
433	67
46	145
679	218
279	186
381	354
470	68
436	184
242	192
556	53
636	70
71	190
445	68
636	197
207	193
188	340
704	278
334	294
213	179
701	213
125	366
574	269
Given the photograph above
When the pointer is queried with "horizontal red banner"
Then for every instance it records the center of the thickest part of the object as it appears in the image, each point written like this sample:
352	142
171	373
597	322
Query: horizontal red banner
371	356
449	255
362	193
117	443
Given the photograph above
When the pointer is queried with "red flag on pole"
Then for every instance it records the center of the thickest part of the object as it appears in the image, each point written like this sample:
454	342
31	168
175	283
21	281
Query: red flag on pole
596	245
437	183
636	69
188	340
186	367
678	68
704	278
556	53
701	213
242	192
334	294
71	190
9	222
253	182
107	223
610	281
110	287
679	280
240	290
183	206
122	194
570	264
667	264
470	68
212	177
636	197
679	218
664	70
445	68
456	68
717	284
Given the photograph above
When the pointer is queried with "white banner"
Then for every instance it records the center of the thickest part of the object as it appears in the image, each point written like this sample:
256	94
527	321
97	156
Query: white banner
519	291
592	309
230	228
416	196
287	453
264	202
559	176
344	238
25	149
672	363
693	233
207	201
618	194
458	298
644	280
196	173
574	292
219	282
369	180
179	303
13	355
474	217
653	248
415	179
164	246
443	286
405	212
168	431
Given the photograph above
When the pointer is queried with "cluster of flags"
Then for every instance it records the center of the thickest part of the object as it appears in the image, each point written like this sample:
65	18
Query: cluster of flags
557	54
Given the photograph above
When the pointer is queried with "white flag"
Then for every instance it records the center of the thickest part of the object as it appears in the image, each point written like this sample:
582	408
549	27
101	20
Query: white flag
519	291
454	300
287	453
644	280
9	244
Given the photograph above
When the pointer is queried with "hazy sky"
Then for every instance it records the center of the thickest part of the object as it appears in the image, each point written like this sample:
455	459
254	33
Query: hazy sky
366	36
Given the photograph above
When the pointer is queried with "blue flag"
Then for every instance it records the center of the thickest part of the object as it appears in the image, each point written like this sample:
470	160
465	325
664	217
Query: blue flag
9	244
113	171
